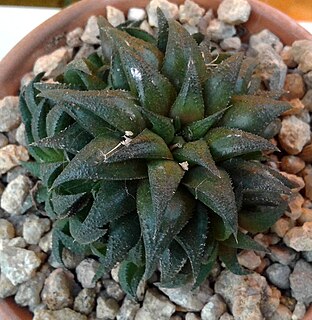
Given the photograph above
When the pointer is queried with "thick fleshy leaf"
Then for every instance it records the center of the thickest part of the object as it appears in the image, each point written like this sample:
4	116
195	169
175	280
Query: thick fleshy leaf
221	230
154	91
196	152
124	234
164	178
243	241
115	107
226	143
90	164
216	193
220	84
129	276
50	170
228	256
252	113
179	210
163	31
57	120
117	76
198	129
192	239
38	122
146	145
26	118
189	104
172	262
113	200
124	42
259	219
141	34
245	75
71	139
181	48
247	175
161	125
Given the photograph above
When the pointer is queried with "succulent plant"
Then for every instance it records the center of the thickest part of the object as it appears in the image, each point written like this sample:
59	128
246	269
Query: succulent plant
150	155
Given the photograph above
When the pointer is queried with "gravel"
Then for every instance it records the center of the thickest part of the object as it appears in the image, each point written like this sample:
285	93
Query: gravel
280	286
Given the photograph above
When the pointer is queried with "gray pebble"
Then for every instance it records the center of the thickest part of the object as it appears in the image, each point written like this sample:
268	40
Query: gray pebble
218	30
34	228
10	156
91	32
136	14
214	309
278	274
128	309
9	113
63	314
171	11
106	308
266	37
234	11
85	301
7	288
115	16
113	289
7	230
57	290
301	282
3	140
282	254
85	271
20	135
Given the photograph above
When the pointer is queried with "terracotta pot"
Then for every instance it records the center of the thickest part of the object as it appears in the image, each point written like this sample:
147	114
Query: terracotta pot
51	35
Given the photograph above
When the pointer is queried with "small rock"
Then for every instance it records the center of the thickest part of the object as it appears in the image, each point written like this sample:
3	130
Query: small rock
53	64
307	255
115	16
300	238
226	316
287	57
271	67
84	51
190	300
301	282
57	290
308	185
307	100
73	38
146	27
18	265
10	156
302	53
294	86
155	307
281	313
14	195
248	259
266	240
85	271
233	43
7	230
136	14
91	32
298	181
128	309
295	205
299	311
248	297
85	301
28	293
308	79
9	113
292	164
7	288
190	13
191	316
294	135
234	11
15	172
219	30
63	314
171	11
204	21
18	242
282	254
265	39
213	309
297	108
71	259
281	226
106	308
114	272
3	140
190	29
45	242
20	135
34	228
278	274
113	289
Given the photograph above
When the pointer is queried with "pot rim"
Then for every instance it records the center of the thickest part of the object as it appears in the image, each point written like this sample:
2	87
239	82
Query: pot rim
50	35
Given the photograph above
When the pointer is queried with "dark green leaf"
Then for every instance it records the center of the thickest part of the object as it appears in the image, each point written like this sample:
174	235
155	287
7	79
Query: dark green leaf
57	120
141	34
220	84
189	105
252	113
215	192
225	143
163	30
38	121
198	129
179	210
181	48
196	152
